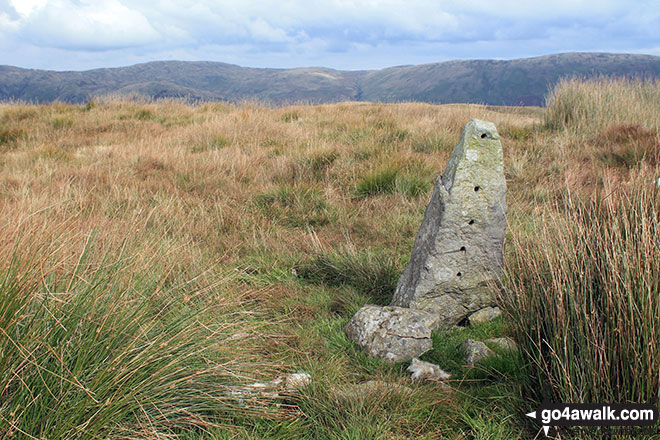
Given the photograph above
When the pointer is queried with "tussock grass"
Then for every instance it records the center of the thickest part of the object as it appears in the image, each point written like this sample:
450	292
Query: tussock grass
585	300
582	277
111	346
588	106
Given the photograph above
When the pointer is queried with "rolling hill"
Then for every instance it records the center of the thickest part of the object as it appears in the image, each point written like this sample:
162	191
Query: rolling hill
494	82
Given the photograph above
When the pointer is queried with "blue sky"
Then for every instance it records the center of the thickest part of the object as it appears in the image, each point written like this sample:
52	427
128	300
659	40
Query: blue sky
342	34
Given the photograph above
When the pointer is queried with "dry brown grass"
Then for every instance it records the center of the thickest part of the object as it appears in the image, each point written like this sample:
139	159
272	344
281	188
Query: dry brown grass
255	190
194	172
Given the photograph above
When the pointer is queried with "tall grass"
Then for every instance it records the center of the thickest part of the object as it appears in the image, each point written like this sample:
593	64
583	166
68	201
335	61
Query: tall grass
109	348
587	106
584	298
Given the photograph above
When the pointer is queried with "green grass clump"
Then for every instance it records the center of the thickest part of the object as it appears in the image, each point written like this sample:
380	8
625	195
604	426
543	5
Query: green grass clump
62	123
393	179
111	350
412	185
584	298
215	143
9	136
447	351
296	206
373	274
381	181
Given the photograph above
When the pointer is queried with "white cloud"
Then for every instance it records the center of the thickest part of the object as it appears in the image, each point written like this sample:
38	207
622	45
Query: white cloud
344	33
26	7
81	24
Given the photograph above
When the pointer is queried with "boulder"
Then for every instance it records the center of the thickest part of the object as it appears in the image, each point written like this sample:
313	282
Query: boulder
458	252
475	351
392	333
503	343
484	315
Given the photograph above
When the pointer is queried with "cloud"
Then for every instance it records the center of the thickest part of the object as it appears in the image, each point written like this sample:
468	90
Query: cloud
335	33
82	25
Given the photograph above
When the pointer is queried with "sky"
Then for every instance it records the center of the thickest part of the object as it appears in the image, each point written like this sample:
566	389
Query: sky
341	34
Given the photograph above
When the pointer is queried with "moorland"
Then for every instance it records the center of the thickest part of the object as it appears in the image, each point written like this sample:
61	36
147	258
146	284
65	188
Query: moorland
154	254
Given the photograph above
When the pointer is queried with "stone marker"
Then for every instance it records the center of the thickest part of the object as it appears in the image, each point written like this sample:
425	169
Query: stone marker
392	333
458	251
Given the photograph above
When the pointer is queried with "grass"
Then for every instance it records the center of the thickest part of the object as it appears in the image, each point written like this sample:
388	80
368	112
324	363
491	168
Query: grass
109	347
586	107
585	304
232	243
370	273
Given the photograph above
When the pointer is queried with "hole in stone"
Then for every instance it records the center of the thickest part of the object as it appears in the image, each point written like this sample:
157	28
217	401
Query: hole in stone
459	274
477	188
462	248
483	135
464	322
471	222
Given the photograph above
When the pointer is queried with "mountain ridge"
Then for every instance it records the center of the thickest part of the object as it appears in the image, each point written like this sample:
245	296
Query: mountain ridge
523	81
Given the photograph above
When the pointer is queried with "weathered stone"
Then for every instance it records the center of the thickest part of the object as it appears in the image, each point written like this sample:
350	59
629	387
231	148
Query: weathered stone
392	333
475	351
503	343
484	315
427	371
458	252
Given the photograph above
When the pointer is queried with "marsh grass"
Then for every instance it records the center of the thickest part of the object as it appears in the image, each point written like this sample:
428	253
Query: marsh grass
110	347
584	298
588	106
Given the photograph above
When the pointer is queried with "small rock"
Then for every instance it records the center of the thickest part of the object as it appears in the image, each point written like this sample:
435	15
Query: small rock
427	371
484	315
503	343
392	333
475	351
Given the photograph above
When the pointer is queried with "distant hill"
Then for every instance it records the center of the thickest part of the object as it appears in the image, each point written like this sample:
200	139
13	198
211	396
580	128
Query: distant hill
494	82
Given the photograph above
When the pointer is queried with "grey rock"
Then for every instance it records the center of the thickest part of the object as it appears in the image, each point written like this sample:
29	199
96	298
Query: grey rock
503	343
484	315
392	333
427	371
458	252
475	351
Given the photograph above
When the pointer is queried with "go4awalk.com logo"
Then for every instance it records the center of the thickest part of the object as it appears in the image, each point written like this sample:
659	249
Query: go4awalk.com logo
594	414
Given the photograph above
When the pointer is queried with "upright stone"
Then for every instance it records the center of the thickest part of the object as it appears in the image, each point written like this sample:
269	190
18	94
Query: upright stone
458	251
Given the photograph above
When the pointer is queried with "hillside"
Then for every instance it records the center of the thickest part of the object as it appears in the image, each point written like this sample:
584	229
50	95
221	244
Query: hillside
495	82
